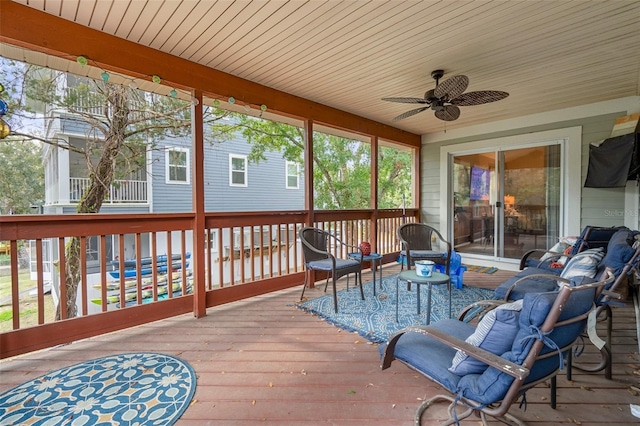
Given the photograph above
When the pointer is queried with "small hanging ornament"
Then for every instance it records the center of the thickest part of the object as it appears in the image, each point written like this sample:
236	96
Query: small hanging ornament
82	60
4	129
156	79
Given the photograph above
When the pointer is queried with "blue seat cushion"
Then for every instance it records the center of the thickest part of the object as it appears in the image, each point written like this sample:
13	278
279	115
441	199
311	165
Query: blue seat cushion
540	284
327	265
423	254
429	356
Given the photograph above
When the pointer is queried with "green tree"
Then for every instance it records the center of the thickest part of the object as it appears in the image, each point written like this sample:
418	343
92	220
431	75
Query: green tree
21	177
121	124
342	166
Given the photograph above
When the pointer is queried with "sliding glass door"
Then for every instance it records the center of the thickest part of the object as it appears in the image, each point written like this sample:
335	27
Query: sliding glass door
506	202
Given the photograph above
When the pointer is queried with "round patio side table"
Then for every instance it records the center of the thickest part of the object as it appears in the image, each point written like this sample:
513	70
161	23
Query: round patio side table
376	261
412	277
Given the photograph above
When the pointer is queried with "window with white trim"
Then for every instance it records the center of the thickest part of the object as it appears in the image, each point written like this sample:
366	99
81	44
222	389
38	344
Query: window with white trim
292	175
177	165
238	170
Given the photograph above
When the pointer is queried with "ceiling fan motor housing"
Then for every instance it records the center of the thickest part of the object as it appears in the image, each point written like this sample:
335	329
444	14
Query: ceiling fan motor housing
430	96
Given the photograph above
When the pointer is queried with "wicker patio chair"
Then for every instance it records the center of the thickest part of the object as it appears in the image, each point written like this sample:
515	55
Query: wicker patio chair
423	242
323	251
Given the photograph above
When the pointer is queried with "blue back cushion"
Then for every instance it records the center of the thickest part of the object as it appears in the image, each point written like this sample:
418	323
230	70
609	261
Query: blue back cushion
538	284
494	333
593	237
492	384
619	250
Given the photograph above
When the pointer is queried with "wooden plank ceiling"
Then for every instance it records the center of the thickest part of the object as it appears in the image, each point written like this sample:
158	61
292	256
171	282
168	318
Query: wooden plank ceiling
349	54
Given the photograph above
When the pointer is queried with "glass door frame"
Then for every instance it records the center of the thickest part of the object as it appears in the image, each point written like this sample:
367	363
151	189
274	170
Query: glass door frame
570	140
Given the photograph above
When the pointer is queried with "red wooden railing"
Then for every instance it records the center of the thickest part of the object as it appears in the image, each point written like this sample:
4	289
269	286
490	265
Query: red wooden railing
245	254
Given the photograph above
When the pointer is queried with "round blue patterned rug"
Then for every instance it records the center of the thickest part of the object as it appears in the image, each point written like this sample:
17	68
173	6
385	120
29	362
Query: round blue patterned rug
125	389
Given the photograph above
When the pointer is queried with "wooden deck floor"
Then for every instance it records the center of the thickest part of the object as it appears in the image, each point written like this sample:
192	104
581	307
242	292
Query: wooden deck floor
264	361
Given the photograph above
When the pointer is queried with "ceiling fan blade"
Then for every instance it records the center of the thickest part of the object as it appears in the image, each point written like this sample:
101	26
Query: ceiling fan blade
480	97
407	100
409	113
449	113
452	87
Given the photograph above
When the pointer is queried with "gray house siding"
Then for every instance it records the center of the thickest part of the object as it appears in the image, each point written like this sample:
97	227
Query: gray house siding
265	190
169	197
266	185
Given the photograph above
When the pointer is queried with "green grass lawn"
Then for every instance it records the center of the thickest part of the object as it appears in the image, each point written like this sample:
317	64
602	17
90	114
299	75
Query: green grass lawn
28	303
24	283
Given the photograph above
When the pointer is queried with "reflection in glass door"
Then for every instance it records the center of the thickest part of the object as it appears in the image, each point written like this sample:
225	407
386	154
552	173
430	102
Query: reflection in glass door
506	202
474	209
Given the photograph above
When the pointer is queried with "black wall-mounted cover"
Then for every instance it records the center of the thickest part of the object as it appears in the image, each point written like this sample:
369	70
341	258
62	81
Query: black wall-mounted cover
613	162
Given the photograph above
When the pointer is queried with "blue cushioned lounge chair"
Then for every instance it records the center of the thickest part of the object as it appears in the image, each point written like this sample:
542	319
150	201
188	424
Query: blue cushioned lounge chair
620	257
591	237
526	346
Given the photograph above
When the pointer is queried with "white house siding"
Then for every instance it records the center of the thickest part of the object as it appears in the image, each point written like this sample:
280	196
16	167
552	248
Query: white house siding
596	205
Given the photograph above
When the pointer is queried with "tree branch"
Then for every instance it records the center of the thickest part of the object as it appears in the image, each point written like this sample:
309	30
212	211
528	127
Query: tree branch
62	144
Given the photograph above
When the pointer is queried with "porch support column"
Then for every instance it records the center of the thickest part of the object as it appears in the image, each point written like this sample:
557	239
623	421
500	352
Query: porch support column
308	184
308	170
197	142
373	228
415	184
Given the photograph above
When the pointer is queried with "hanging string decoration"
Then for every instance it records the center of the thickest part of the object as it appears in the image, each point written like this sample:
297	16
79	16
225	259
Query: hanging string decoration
5	129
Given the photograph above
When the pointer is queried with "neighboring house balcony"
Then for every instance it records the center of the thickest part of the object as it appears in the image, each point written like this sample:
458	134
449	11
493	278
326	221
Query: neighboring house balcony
120	191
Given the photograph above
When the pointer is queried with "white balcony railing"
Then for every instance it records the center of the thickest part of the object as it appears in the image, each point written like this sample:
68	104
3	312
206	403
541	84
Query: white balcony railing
121	191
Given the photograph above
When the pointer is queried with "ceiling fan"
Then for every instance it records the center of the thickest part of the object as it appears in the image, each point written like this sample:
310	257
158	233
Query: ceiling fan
447	97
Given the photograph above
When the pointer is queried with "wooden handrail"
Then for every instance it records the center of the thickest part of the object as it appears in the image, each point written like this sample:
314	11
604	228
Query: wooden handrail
245	254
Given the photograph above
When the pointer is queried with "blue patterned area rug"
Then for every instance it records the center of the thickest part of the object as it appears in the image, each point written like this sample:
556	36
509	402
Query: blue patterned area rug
375	317
126	389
